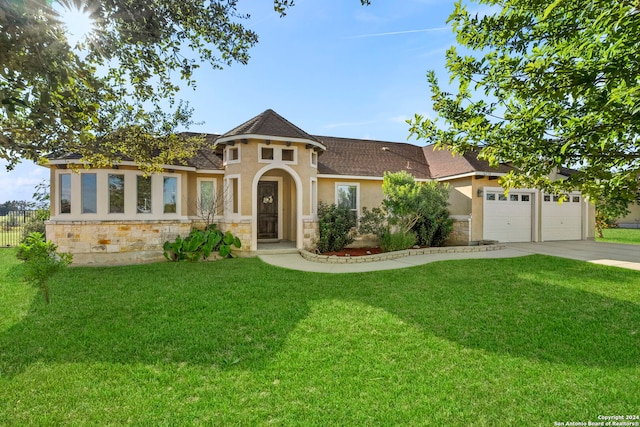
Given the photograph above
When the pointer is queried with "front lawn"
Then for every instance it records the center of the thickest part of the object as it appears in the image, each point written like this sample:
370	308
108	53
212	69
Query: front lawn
621	235
523	341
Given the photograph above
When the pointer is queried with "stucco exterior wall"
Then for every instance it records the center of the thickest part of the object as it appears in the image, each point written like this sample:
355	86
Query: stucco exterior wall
632	219
370	193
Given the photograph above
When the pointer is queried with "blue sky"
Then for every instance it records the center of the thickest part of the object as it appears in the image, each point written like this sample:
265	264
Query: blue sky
332	67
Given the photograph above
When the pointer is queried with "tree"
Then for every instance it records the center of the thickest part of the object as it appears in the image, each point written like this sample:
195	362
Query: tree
113	95
545	85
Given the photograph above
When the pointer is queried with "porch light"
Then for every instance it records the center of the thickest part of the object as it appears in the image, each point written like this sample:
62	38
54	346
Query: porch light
480	192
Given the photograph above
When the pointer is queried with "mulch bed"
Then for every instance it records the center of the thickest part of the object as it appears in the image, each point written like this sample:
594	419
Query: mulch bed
355	252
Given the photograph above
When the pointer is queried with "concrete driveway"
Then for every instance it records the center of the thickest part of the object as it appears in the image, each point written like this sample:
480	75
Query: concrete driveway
618	255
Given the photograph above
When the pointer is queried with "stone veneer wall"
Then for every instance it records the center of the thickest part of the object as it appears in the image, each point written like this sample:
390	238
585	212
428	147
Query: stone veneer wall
114	242
460	234
310	232
240	229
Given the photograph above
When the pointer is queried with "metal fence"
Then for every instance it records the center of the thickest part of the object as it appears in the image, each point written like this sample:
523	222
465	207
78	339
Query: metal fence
12	226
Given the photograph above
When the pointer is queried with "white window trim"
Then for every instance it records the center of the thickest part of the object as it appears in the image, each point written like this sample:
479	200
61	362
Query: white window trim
312	163
228	196
295	155
277	154
263	160
130	197
226	155
199	194
350	184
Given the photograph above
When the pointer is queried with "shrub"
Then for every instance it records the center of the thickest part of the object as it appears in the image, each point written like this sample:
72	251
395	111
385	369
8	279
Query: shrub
337	227
200	244
433	231
397	241
41	260
373	221
36	224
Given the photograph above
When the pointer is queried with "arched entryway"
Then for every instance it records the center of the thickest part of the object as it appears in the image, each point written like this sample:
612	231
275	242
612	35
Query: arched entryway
276	206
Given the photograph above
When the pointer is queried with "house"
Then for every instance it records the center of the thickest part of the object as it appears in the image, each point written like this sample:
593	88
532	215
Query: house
632	219
263	180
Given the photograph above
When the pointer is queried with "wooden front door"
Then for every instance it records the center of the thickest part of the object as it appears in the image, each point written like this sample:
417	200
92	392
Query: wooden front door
267	210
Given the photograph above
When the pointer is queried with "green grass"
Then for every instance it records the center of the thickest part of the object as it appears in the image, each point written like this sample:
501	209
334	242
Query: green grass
621	235
523	341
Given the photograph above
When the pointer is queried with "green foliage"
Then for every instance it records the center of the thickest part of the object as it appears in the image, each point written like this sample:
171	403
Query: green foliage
397	241
112	95
373	221
433	231
542	86
35	223
416	208
201	244
41	260
607	212
337	227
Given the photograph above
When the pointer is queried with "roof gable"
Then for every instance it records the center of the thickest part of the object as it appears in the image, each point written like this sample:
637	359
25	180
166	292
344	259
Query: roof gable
269	124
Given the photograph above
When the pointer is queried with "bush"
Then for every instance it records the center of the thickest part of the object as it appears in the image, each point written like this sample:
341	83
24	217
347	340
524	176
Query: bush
41	260
397	241
337	227
200	244
374	222
433	231
36	224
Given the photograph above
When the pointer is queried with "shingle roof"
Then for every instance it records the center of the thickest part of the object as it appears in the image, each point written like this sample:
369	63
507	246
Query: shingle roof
443	163
357	157
345	156
269	123
207	158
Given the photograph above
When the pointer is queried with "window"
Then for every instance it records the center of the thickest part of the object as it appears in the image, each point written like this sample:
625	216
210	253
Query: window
525	198
143	186
207	204
232	195
88	190
502	197
232	155
266	153
314	159
65	193
547	198
491	196
347	196
169	194
513	197
556	198
288	155
116	193
576	199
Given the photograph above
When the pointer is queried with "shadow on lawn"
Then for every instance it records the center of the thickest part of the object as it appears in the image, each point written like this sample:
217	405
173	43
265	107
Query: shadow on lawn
241	317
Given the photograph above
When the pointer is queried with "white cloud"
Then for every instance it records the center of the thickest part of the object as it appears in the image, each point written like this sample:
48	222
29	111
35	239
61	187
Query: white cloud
20	183
393	33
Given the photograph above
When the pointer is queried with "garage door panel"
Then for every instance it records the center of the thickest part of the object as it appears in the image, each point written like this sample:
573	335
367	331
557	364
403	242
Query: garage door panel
561	221
507	219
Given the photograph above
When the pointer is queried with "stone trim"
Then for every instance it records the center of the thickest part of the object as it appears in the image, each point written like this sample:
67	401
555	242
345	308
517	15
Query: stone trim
334	259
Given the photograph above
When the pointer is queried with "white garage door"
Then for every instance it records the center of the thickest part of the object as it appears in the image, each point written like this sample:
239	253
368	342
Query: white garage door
507	218
561	221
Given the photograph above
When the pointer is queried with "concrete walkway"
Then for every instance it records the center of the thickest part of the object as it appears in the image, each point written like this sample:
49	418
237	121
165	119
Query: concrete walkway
625	256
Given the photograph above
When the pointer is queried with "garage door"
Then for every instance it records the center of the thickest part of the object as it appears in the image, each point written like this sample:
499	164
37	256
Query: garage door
507	218
561	221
